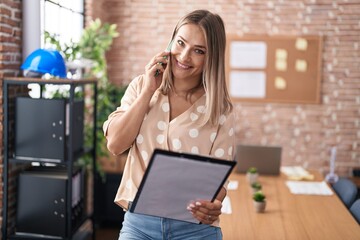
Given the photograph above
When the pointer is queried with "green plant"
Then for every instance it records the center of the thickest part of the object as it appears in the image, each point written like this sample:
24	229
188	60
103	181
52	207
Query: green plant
96	39
69	50
256	185
252	170
259	196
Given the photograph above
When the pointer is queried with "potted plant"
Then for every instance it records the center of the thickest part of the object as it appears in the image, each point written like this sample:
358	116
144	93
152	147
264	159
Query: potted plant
95	41
252	175
259	201
256	186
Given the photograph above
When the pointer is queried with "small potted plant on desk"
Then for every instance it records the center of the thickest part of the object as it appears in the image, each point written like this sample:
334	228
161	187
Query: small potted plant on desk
259	201
252	175
256	186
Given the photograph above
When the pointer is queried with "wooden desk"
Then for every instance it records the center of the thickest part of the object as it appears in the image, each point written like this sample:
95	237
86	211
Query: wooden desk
287	216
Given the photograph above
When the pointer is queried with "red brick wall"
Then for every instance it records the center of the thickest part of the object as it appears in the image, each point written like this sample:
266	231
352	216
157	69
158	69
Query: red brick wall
306	131
10	60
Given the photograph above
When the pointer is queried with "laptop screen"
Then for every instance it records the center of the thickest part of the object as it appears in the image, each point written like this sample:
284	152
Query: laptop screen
267	159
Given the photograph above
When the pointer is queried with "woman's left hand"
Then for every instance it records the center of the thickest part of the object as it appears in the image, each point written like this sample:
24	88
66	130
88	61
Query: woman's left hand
205	211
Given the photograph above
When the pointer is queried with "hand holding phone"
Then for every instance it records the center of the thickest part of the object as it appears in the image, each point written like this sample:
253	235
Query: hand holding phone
168	49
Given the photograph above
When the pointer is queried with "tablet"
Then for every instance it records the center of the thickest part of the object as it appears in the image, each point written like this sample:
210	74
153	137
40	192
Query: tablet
172	180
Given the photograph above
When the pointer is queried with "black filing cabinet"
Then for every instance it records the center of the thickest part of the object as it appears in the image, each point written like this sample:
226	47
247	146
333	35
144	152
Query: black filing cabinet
41	201
47	137
48	120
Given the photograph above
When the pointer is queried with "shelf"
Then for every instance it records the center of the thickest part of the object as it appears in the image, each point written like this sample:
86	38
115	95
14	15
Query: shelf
79	235
61	150
32	236
61	81
76	155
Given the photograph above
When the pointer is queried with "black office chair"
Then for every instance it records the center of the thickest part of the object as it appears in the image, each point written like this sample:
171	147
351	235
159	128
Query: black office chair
346	190
355	210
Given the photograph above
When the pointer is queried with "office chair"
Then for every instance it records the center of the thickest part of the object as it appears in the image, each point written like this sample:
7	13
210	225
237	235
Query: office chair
355	210
346	190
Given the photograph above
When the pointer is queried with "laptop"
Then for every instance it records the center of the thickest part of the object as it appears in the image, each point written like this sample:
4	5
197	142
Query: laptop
267	159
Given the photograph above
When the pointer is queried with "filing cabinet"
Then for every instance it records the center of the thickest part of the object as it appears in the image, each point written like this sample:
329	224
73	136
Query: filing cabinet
42	127
42	201
48	133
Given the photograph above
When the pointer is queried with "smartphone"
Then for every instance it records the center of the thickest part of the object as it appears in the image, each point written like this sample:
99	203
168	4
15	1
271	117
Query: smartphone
168	49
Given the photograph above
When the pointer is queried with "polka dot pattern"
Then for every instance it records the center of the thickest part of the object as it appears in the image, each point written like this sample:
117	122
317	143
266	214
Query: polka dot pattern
181	134
128	184
222	119
219	152
160	139
230	151
165	107
176	144
161	125
212	137
140	139
195	150
144	155
193	133
231	132
201	109
194	117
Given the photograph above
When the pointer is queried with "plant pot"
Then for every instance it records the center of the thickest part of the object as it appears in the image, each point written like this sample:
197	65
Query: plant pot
252	177
260	206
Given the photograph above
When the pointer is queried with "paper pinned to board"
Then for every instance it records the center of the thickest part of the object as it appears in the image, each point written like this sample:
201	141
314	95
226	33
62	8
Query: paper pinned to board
248	54
280	83
309	188
301	44
248	84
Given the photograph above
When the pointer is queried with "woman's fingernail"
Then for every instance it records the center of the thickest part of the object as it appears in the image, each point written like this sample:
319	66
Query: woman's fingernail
191	205
198	203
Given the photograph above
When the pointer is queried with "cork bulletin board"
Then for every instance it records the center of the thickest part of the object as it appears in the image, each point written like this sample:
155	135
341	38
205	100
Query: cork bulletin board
266	68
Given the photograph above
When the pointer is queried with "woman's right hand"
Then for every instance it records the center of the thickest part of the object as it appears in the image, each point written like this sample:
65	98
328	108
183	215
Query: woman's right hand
152	78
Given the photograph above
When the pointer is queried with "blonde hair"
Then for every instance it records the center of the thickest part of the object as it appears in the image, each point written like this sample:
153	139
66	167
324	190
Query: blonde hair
213	77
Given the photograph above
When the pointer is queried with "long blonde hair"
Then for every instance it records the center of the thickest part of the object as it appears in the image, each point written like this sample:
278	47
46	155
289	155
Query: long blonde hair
213	77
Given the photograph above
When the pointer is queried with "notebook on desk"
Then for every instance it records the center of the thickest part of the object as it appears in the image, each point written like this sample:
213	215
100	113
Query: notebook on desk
267	159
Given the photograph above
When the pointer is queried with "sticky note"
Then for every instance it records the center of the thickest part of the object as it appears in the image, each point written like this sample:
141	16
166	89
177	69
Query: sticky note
301	44
281	54
280	65
300	65
280	83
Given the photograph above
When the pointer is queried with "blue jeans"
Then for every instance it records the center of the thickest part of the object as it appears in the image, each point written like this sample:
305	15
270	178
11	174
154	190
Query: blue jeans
139	227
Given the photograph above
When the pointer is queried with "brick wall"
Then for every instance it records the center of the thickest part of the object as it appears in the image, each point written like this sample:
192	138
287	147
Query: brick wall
10	60
306	131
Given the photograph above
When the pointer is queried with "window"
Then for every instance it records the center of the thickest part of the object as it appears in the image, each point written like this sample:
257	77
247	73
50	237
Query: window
63	18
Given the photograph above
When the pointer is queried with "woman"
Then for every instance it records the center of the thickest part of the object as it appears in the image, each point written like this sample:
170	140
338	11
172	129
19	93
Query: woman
180	103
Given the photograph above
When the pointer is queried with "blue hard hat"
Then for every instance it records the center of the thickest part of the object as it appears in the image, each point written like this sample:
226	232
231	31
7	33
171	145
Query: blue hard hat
45	61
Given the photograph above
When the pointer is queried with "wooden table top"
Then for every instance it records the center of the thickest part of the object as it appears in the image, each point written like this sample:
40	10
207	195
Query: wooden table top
287	216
